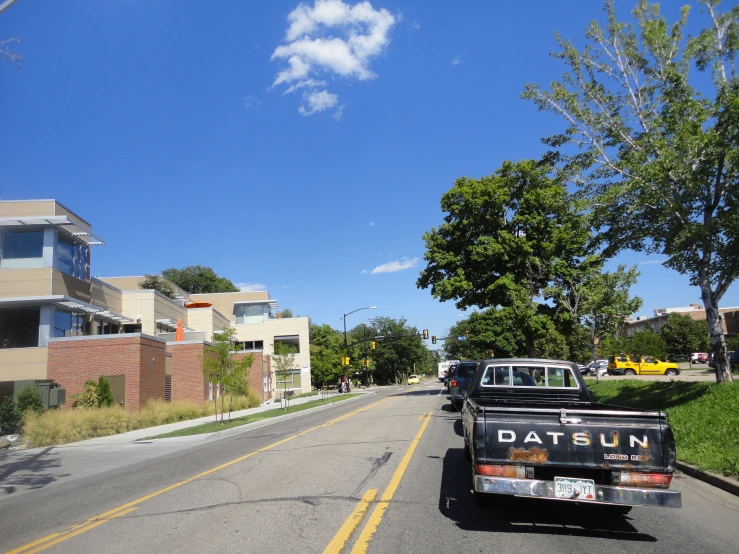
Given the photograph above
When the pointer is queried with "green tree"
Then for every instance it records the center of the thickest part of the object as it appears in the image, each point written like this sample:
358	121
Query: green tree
10	417
283	360
198	279
236	380
596	301
88	398
732	343
326	350
105	395
647	343
155	282
219	363
286	313
396	353
501	240
29	398
657	147
683	334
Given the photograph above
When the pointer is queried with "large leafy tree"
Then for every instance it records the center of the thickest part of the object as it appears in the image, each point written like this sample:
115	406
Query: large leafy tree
684	335
395	354
647	343
198	279
326	348
656	147
596	302
500	242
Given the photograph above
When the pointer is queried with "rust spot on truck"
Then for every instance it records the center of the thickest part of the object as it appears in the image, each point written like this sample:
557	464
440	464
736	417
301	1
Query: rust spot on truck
534	455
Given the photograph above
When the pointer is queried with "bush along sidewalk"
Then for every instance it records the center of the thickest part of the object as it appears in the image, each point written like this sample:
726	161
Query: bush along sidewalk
703	416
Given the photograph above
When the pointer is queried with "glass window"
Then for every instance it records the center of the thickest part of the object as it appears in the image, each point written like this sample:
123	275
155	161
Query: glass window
22	249
19	327
529	376
67	324
72	257
287	344
249	313
465	370
289	380
106	328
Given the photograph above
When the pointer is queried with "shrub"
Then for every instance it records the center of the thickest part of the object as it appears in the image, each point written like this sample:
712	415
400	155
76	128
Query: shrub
88	398
10	417
105	395
29	399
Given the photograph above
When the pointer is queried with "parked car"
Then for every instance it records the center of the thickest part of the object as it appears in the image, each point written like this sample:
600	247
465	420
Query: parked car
450	375
531	429
638	365
733	359
599	366
458	384
413	380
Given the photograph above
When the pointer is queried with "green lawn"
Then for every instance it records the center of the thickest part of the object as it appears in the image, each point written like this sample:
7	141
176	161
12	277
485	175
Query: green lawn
213	427
703	416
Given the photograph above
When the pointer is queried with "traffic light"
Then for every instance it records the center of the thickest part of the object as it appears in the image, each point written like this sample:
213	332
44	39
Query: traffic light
366	363
467	334
346	360
433	339
425	334
373	344
491	353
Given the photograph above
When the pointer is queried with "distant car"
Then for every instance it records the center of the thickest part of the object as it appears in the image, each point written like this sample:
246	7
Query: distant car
599	366
637	365
450	375
413	380
458	384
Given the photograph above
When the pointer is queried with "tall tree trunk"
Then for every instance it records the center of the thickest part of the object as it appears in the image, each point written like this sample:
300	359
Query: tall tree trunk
718	342
530	347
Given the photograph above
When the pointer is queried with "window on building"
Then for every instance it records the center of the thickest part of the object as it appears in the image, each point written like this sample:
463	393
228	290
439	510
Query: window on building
72	257
249	313
289	380
287	344
19	249
68	324
19	327
106	328
252	345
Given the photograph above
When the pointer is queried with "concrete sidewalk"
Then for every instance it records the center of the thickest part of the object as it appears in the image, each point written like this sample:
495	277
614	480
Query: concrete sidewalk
25	470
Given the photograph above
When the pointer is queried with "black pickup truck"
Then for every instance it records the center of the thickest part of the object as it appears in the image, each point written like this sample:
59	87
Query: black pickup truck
532	429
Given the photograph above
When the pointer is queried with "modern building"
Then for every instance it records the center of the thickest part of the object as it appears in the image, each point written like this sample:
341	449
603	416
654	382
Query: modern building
58	323
729	319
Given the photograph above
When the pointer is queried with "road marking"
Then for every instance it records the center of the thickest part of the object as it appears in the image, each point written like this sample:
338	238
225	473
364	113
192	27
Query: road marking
352	522
376	517
56	538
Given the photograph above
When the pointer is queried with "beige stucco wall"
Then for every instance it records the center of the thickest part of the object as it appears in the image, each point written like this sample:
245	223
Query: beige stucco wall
150	306
131	283
17	364
25	282
31	208
69	286
106	296
206	319
272	328
224	301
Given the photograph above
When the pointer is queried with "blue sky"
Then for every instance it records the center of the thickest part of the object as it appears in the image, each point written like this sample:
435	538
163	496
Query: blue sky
169	126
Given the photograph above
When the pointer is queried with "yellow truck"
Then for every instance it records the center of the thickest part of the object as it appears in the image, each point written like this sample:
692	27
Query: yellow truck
640	365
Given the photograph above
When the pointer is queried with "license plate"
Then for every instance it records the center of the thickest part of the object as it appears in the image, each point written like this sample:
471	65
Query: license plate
565	487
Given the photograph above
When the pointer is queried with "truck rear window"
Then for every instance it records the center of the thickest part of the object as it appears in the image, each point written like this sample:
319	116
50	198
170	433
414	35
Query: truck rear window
529	376
465	371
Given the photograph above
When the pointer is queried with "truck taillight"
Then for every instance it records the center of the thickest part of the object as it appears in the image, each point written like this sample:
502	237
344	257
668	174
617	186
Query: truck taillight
454	383
636	479
501	471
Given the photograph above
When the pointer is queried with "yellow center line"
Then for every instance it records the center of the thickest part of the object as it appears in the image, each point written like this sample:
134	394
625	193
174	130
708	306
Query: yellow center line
99	519
376	517
352	522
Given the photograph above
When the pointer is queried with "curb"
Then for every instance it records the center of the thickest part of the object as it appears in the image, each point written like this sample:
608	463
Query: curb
729	485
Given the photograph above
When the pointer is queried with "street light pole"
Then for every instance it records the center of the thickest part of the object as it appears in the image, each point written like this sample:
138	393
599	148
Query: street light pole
358	309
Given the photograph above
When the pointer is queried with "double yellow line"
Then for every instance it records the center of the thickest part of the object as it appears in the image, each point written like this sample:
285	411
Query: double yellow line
342	537
74	530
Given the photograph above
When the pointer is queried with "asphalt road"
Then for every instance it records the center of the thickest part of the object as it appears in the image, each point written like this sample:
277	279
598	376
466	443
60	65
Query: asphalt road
298	486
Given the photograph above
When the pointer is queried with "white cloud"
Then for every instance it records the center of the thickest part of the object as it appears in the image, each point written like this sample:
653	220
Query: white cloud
338	113
317	102
251	102
415	25
392	267
371	223
251	287
331	38
457	60
365	271
652	262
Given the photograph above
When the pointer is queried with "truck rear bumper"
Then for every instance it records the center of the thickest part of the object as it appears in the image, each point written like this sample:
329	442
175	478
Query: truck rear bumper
604	494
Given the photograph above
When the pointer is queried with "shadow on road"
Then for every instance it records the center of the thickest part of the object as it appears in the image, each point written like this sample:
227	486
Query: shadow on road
428	392
28	470
458	427
523	515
